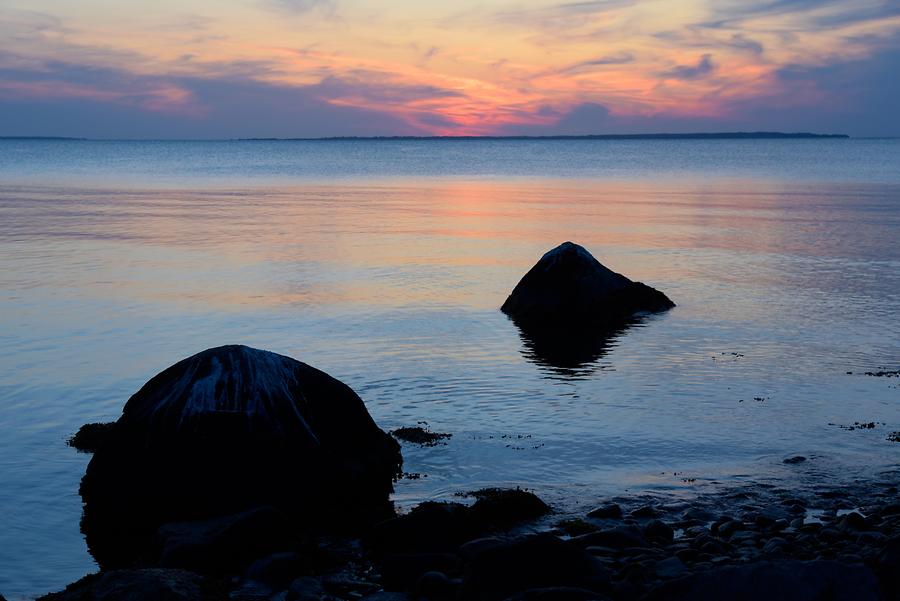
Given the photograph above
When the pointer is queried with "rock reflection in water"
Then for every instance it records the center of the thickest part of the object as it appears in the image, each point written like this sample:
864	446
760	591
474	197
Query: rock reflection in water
571	351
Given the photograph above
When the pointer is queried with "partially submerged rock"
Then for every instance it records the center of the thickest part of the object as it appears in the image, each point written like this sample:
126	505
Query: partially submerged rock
229	429
568	285
439	526
504	507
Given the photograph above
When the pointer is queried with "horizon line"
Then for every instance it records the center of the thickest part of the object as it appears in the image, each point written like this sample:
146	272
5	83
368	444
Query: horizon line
633	136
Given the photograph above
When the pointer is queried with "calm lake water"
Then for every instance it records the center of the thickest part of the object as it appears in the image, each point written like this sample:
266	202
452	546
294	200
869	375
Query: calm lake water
384	264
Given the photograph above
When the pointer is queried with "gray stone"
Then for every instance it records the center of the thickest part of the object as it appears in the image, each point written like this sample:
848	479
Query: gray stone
305	588
672	567
607	512
276	570
435	586
619	537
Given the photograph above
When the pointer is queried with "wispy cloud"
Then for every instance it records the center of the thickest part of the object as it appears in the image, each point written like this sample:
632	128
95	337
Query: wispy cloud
704	67
619	58
301	6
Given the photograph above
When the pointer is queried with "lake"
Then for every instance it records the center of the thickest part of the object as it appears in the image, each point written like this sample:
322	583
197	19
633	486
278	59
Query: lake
384	263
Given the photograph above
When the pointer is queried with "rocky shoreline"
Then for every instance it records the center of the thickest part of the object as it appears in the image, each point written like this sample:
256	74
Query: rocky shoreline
751	541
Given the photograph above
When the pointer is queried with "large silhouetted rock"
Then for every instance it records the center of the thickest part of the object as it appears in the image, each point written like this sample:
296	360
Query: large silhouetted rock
569	286
227	430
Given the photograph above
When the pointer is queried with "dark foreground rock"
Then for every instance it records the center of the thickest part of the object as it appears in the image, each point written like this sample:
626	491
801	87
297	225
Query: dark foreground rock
569	286
227	430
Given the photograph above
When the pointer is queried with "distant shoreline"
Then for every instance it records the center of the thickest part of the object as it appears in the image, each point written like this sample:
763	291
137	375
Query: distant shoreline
739	135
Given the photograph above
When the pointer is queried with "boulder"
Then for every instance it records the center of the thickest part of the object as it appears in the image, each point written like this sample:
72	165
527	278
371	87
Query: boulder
569	286
505	507
429	527
228	429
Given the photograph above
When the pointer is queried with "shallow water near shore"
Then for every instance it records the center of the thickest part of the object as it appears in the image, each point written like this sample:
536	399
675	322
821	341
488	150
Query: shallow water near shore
393	284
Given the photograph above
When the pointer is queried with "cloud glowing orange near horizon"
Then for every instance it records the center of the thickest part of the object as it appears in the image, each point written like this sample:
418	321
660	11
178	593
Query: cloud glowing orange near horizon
473	68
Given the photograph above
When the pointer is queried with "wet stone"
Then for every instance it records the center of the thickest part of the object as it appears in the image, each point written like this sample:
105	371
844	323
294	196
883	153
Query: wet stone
607	512
658	532
305	588
435	586
672	567
645	511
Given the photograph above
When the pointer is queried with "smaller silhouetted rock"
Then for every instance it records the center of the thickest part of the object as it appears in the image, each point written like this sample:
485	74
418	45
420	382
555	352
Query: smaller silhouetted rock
224	544
276	570
435	586
658	532
568	285
575	526
430	526
786	580
305	588
671	567
529	562
852	521
437	526
475	547
152	584
504	507
796	459
400	571
91	437
607	512
644	511
419	435
620	537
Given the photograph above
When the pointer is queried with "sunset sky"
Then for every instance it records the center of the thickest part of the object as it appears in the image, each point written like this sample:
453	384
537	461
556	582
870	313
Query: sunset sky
292	68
